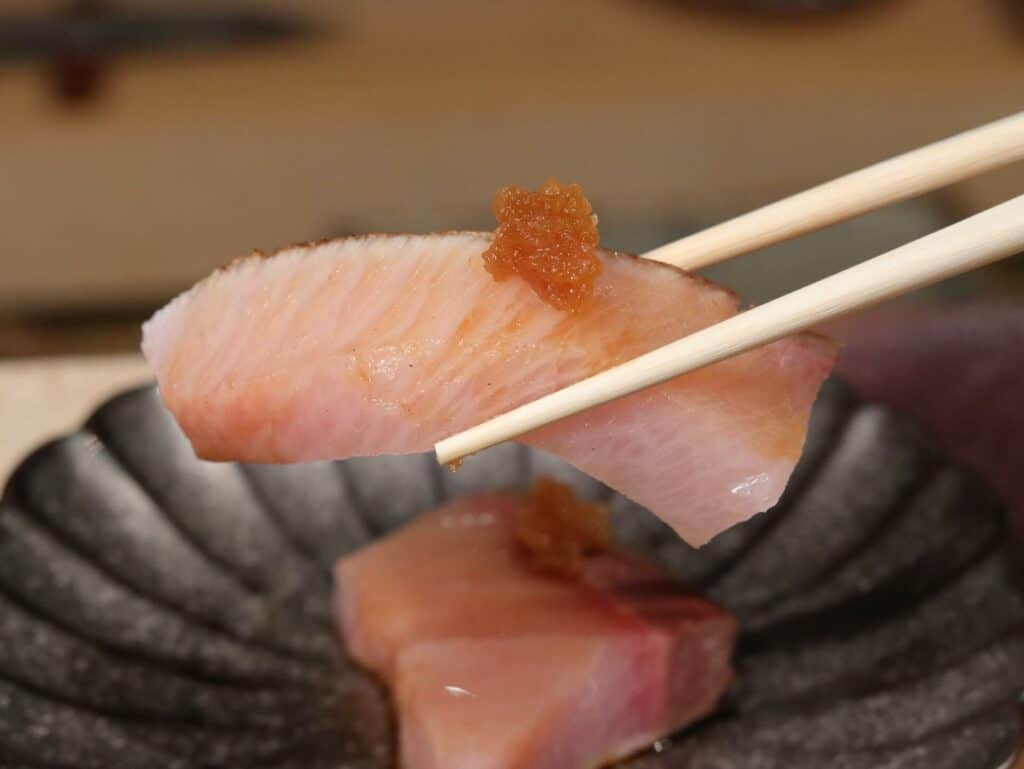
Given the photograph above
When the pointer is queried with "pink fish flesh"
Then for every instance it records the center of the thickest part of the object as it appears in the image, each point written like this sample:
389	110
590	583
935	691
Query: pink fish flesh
494	665
386	344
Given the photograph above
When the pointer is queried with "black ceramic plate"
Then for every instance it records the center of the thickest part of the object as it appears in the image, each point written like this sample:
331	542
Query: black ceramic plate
157	611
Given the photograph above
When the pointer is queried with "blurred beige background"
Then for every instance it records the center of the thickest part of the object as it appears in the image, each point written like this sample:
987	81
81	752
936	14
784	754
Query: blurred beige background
407	115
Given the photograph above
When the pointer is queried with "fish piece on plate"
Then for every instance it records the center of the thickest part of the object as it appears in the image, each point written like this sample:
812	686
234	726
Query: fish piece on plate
495	662
386	344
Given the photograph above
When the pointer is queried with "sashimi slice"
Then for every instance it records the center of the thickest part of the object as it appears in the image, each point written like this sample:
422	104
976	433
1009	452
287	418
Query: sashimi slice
573	702
494	665
390	594
386	344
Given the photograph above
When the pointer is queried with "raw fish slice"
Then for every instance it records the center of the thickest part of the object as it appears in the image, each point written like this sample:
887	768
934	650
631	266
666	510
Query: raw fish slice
389	595
385	344
546	702
494	665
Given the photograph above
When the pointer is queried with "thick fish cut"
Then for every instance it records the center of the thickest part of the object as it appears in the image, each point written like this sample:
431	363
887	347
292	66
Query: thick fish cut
495	665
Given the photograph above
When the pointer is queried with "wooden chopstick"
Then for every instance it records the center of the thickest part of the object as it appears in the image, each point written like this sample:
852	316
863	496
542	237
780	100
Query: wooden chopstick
979	240
905	176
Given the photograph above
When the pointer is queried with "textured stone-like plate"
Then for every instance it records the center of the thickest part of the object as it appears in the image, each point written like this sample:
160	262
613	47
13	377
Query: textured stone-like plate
157	611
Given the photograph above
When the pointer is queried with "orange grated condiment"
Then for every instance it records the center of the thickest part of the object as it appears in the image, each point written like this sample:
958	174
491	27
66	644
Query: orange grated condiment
548	238
558	530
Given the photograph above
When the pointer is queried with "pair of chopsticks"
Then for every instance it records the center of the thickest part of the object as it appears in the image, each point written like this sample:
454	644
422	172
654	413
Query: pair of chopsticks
987	237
